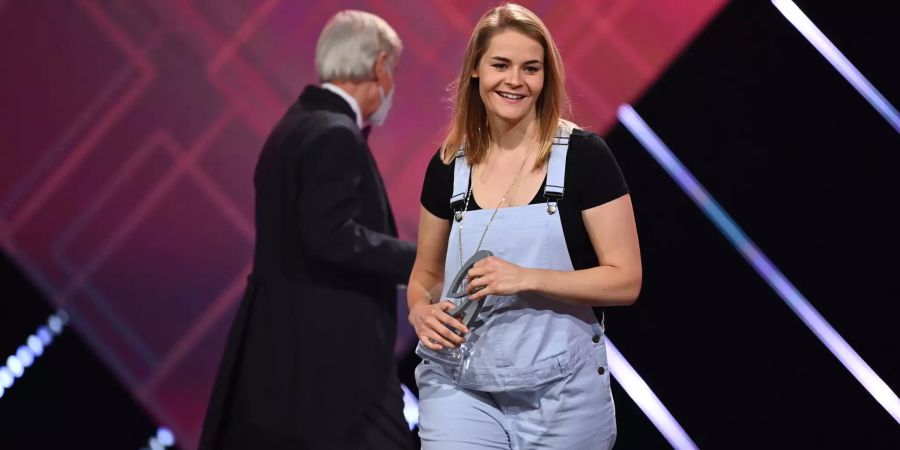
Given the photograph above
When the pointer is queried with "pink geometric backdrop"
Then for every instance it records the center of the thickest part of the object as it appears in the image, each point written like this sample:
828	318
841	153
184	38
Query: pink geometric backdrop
129	132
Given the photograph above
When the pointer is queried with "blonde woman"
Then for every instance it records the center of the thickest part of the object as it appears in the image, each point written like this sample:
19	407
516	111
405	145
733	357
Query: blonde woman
549	201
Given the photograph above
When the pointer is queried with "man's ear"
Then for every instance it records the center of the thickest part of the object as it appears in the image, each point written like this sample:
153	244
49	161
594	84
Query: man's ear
380	68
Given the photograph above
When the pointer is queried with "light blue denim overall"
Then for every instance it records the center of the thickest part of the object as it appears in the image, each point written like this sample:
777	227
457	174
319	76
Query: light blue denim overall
534	374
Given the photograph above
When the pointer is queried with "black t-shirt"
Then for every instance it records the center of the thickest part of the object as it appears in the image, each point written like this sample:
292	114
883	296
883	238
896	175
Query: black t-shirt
592	178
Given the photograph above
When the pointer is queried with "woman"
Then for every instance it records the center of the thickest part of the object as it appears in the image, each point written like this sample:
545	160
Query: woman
548	200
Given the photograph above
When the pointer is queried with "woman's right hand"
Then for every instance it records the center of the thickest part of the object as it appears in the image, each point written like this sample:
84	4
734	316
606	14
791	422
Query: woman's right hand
431	322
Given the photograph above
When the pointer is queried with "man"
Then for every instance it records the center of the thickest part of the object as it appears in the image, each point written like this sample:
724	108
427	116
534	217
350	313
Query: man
308	363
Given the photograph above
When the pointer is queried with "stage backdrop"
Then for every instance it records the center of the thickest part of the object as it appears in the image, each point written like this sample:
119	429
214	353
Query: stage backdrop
129	132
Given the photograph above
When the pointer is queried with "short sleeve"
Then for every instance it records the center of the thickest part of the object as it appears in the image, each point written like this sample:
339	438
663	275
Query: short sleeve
598	175
437	187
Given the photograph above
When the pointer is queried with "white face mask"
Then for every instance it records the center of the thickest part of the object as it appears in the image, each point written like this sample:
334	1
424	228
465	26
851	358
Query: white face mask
378	117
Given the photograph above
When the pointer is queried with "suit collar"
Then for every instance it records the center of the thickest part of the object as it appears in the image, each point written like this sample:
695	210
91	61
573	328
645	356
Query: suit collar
317	98
347	98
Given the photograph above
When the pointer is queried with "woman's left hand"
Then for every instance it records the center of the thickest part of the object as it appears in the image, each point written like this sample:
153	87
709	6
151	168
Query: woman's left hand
494	276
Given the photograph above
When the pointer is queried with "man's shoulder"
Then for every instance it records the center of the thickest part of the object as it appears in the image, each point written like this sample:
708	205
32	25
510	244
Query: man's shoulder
325	116
308	125
323	122
330	126
303	130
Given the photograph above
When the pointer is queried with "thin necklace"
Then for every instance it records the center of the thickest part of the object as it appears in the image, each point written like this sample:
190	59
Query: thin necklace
494	214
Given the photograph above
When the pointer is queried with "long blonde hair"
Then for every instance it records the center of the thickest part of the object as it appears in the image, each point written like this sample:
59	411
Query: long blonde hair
469	125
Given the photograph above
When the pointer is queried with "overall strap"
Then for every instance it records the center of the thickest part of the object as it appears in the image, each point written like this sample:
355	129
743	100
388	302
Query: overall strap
556	170
460	181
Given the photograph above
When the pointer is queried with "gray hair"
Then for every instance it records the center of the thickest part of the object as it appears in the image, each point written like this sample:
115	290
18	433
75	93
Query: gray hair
350	44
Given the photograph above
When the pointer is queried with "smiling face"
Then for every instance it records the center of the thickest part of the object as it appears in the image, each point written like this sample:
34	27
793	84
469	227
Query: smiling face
510	76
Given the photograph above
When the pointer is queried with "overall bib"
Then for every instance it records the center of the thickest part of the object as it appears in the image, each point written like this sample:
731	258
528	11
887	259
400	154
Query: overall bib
534	373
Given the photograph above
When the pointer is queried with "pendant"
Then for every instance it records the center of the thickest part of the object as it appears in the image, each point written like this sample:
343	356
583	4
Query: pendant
551	208
458	216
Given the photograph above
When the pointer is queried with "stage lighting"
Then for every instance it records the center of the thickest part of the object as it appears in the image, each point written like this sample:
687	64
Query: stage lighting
410	407
760	262
35	344
45	335
817	38
25	355
34	347
643	396
55	325
6	377
155	445
165	437
63	316
15	366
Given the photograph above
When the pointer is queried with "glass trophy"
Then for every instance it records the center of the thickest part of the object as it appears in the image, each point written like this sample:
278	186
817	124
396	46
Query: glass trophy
466	311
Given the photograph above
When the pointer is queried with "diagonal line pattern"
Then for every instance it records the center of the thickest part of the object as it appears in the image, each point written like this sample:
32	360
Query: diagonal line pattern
81	151
758	260
840	62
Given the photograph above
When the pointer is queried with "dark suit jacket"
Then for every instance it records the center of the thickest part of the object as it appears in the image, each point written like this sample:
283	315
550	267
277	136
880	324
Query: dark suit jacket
312	342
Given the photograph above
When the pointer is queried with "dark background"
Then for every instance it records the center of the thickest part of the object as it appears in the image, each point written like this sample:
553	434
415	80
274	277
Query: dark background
809	170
